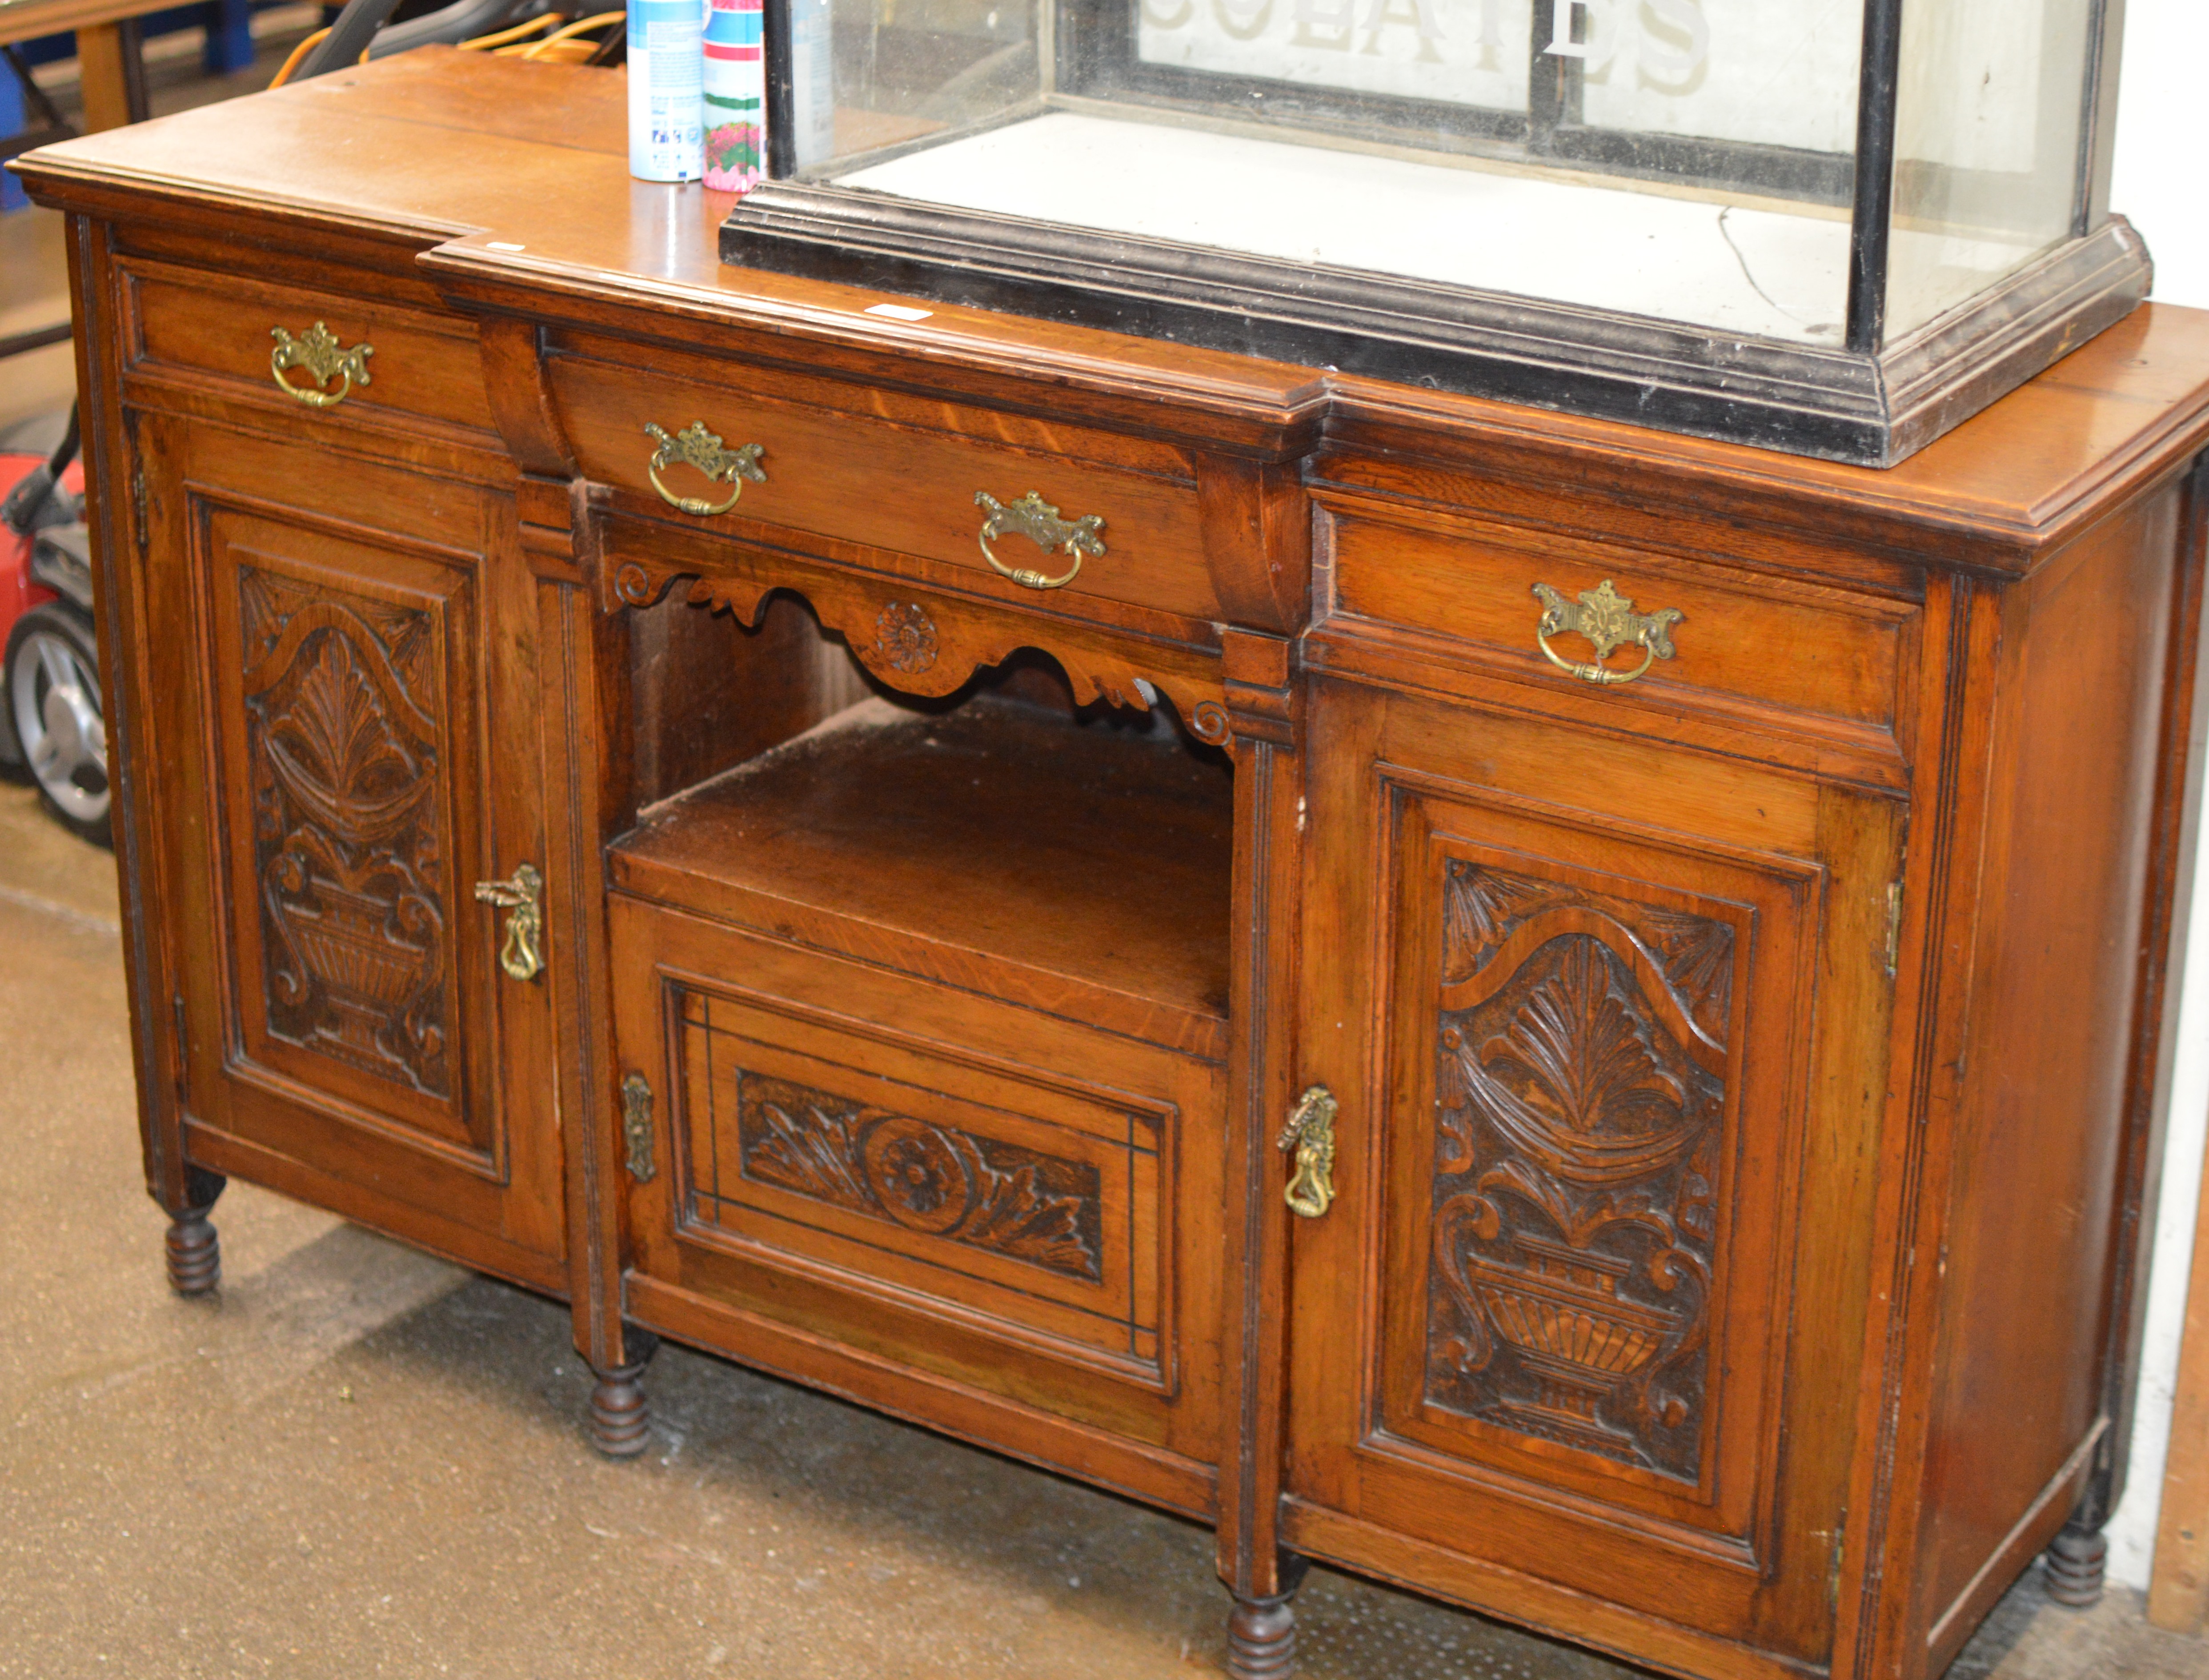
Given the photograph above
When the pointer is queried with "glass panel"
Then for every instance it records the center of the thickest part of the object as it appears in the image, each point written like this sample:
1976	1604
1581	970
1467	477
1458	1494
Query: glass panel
1469	55
1765	73
1987	115
1688	159
868	75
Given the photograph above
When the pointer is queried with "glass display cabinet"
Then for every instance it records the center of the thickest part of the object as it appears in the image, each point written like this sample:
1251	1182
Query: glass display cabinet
1834	227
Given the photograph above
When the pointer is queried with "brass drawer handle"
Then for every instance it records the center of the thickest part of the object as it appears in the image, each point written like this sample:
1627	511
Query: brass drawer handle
1037	520
696	447
1609	620
317	351
1310	1136
523	954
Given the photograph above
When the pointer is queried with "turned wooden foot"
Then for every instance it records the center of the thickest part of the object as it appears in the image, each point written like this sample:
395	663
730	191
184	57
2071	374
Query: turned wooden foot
2076	1560
194	1251
1261	1632
620	1418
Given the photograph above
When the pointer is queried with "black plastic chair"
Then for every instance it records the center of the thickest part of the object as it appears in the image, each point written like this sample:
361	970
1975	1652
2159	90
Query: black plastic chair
364	27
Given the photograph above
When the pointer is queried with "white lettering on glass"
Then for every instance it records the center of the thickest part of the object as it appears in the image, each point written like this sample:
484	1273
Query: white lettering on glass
1420	16
1245	20
1468	52
1659	58
1327	25
1673	39
1599	39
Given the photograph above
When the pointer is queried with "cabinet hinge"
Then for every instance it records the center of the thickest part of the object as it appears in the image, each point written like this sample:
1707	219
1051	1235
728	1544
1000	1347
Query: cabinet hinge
1833	1575
637	1127
178	1004
138	501
1894	927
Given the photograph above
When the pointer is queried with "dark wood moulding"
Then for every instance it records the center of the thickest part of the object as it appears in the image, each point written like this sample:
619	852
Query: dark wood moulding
1869	409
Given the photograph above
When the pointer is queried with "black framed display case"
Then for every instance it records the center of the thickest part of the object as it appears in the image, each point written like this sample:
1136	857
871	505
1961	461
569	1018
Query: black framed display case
1834	227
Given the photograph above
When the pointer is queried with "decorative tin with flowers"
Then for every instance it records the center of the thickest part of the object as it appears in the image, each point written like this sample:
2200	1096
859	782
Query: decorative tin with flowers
736	88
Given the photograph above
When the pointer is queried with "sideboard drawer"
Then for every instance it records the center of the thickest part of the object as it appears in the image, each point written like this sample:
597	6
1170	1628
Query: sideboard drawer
906	478
340	358
1700	637
923	1196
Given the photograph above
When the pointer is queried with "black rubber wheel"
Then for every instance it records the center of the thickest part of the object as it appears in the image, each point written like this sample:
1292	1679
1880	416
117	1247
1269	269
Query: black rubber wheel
52	676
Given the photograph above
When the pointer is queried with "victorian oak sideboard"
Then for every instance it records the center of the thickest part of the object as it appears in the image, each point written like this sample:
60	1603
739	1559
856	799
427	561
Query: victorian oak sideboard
1560	1014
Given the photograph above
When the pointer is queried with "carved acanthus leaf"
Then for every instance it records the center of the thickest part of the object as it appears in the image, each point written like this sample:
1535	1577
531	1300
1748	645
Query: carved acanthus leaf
1480	907
1696	953
1483	906
1574	1078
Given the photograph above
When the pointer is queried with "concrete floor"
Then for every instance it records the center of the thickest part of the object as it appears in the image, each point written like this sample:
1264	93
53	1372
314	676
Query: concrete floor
357	1462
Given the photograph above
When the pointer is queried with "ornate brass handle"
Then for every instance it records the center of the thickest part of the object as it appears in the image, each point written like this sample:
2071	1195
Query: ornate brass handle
1609	620
1037	520
523	899
317	351
696	447
1310	1136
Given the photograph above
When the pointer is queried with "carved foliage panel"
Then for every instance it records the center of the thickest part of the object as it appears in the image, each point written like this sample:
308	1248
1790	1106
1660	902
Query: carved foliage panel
344	716
986	1193
344	705
1581	1079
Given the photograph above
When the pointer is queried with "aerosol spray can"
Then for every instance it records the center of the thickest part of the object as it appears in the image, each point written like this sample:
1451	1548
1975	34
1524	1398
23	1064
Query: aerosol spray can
736	96
666	124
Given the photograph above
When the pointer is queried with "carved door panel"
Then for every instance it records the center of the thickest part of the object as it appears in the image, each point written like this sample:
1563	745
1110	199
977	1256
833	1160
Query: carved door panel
362	756
1588	1165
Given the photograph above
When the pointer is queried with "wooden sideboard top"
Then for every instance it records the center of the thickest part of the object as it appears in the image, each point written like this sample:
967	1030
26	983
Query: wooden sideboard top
509	179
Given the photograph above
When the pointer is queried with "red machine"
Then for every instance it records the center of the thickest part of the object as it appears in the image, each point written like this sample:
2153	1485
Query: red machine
52	723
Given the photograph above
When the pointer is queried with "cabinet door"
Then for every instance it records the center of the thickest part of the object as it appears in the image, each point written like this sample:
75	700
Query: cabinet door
1606	1023
346	730
970	1211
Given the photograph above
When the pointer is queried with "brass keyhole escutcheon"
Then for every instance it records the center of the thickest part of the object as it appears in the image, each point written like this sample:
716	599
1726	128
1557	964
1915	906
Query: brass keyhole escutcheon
317	351
522	897
695	447
637	1127
1309	1136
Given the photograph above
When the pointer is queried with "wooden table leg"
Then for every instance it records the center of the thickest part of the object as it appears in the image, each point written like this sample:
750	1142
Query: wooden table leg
111	76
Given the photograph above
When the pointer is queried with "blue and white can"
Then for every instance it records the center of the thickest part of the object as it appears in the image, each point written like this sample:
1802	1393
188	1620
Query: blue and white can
666	89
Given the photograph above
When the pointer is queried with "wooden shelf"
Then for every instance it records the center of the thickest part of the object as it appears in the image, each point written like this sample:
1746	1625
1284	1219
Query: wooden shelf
1000	847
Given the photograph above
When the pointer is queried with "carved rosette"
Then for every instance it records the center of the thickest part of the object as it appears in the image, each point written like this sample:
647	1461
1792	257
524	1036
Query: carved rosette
342	699
934	1179
1580	1094
905	639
